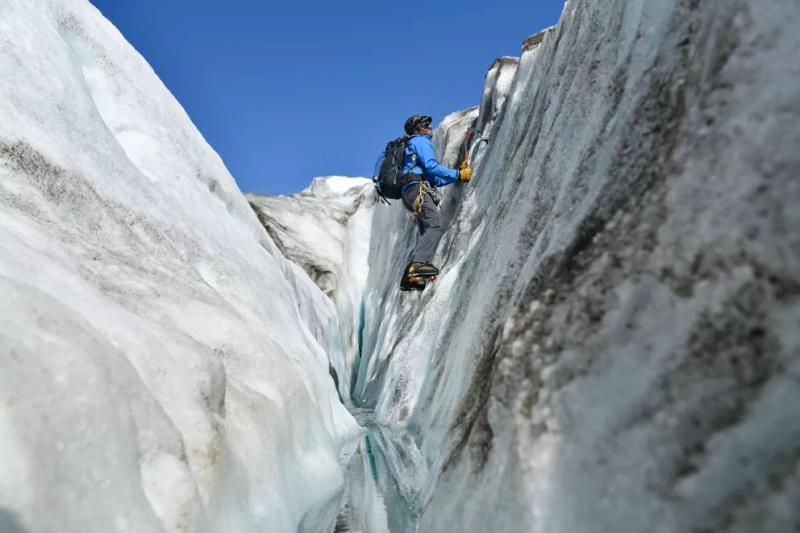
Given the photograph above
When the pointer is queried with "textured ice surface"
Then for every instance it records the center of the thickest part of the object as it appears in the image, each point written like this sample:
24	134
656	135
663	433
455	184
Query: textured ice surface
326	231
163	366
613	343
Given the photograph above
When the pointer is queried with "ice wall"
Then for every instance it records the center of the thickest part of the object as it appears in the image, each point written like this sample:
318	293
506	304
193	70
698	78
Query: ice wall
612	346
325	230
613	342
162	366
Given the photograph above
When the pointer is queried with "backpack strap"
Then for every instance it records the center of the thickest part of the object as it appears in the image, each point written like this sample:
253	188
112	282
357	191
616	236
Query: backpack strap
382	198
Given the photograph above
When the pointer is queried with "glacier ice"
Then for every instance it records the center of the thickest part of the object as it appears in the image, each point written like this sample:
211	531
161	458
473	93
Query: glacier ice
612	344
164	367
326	231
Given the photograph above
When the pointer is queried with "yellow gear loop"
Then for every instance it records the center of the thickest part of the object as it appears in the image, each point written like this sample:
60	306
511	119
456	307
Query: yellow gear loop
424	187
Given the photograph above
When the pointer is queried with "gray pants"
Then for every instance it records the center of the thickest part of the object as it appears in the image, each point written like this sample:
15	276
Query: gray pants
428	221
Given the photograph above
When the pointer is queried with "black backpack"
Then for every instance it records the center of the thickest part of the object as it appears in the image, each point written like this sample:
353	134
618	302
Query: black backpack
390	178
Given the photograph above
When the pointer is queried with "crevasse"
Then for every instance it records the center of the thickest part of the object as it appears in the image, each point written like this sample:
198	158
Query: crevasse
612	345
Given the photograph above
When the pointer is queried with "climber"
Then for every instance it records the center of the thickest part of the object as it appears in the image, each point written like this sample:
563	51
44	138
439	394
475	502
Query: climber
420	197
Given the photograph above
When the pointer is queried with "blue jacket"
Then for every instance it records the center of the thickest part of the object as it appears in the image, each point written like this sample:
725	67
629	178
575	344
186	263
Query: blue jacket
419	159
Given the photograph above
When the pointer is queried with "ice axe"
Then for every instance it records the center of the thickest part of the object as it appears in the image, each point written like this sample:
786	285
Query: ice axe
467	141
466	164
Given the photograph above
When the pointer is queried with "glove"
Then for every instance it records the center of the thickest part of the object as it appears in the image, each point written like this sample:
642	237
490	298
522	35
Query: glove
465	172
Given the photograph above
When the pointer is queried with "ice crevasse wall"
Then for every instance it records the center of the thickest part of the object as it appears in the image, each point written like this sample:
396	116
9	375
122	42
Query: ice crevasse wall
612	345
614	341
163	367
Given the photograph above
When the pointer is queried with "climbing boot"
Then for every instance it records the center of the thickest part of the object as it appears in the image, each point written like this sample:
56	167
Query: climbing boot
412	284
425	270
417	275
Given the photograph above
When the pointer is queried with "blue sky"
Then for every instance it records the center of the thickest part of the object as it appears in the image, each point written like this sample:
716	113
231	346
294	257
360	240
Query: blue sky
289	91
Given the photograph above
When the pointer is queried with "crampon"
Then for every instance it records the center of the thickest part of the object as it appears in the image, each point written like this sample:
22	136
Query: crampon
417	276
415	283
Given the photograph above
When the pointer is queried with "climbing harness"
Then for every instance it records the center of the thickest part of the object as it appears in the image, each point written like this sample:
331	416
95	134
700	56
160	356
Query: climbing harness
424	187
